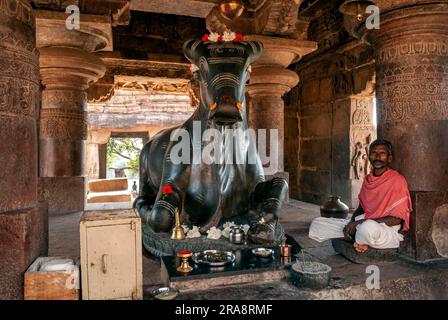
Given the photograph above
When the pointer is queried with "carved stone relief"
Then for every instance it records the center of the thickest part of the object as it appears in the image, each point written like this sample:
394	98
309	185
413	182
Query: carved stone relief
52	98
413	79
63	124
155	87
18	9
343	84
362	134
265	17
360	160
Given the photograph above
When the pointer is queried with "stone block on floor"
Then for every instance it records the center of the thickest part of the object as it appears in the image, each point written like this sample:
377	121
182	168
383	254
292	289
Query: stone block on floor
23	237
346	249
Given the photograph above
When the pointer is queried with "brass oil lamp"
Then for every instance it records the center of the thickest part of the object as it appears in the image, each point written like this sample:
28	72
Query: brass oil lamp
184	266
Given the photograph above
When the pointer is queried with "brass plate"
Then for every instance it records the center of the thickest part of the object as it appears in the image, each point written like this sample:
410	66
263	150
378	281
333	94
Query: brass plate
263	252
213	258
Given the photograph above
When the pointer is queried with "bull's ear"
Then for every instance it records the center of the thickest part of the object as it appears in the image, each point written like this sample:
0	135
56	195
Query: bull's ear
256	49
190	50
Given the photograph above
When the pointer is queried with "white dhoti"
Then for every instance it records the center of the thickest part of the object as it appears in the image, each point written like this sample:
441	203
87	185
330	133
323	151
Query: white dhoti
374	234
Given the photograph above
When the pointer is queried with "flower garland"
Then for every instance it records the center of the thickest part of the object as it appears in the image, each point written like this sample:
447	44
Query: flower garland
227	37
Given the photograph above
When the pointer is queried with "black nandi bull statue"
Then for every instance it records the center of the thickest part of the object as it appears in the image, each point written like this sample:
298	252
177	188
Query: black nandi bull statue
208	194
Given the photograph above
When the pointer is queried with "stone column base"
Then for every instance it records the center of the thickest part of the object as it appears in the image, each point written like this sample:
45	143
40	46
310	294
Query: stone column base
280	174
23	238
428	237
63	194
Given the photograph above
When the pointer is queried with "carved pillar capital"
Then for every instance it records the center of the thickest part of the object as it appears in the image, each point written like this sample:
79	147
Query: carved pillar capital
271	80
100	136
94	33
269	74
63	67
281	51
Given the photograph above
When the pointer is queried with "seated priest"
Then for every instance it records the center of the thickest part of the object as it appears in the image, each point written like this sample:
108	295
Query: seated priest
384	207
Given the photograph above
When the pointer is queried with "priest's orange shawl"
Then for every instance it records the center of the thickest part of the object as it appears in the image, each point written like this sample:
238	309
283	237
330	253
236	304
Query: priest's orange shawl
386	195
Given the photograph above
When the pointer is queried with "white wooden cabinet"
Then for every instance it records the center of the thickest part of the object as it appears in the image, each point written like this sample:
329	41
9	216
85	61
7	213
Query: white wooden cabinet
111	255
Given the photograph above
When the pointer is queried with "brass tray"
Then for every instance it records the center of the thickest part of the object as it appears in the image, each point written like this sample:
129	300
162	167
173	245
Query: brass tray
213	258
165	293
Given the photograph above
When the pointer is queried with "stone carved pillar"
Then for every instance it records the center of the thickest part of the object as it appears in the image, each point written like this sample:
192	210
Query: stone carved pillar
23	221
92	161
94	166
269	81
68	67
102	156
411	49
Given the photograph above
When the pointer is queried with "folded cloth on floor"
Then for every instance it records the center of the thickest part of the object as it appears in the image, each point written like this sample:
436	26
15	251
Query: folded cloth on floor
322	229
57	265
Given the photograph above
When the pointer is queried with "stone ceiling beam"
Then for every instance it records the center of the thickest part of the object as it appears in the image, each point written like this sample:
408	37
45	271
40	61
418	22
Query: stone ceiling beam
117	10
143	72
192	8
266	17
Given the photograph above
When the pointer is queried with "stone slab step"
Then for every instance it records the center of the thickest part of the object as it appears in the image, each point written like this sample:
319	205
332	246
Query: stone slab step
107	185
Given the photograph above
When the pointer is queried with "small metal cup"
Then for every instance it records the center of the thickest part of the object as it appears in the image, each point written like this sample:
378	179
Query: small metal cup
285	250
286	260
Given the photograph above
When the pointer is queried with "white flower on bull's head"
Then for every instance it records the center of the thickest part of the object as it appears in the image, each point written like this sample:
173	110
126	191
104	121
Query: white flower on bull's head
194	68
213	37
228	36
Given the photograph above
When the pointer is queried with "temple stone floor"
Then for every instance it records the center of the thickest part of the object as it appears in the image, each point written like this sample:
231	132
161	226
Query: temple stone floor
399	279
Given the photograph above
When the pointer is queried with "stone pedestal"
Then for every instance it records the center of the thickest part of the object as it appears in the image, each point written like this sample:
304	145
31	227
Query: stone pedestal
246	269
67	68
269	81
411	49
371	256
23	224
